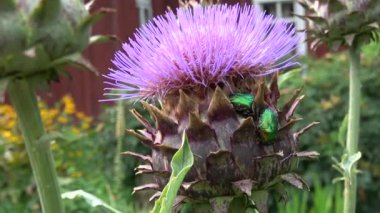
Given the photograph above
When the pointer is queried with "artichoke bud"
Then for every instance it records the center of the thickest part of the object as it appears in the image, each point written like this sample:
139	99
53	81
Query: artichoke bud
233	155
208	86
38	37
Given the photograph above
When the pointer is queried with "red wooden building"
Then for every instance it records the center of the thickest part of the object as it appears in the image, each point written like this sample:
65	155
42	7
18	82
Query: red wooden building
87	88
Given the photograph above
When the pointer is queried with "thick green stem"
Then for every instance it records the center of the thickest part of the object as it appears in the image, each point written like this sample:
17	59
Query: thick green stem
353	128
24	100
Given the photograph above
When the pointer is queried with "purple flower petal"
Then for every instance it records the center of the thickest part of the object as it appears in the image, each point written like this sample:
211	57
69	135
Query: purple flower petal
201	47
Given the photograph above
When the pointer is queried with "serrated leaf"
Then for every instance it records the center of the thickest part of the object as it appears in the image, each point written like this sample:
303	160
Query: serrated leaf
181	163
89	198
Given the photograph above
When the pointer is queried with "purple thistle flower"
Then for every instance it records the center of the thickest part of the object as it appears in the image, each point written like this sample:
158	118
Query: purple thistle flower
200	47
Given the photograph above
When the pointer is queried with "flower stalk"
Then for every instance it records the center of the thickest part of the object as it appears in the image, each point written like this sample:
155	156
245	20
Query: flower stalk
24	100
120	134
353	128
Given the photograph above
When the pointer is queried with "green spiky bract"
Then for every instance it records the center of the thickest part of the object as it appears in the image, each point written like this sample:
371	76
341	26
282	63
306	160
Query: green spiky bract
268	125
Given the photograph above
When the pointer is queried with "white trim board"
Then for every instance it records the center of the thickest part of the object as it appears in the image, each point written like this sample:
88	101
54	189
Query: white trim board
145	10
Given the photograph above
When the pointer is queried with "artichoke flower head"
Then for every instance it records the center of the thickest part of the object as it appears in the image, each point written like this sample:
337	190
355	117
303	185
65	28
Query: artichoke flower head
38	37
214	71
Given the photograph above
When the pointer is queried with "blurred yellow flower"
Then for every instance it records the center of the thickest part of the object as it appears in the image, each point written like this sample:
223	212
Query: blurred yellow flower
79	153
68	104
76	174
54	146
80	115
10	124
6	134
85	125
330	103
75	130
16	139
7	110
53	112
62	119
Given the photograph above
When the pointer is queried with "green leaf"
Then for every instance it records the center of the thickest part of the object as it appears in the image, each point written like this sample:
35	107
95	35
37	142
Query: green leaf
288	75
343	131
181	163
89	198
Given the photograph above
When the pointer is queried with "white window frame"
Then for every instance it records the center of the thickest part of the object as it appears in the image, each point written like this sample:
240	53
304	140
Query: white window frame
299	23
145	10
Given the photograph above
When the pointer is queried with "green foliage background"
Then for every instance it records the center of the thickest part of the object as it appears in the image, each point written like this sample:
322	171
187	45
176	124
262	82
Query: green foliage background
325	83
